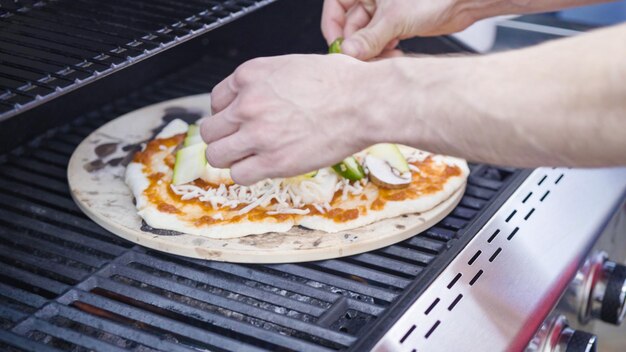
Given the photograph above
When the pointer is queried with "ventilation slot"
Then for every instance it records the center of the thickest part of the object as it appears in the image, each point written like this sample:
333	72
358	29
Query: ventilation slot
455	302
471	261
456	278
432	329
495	254
475	278
408	333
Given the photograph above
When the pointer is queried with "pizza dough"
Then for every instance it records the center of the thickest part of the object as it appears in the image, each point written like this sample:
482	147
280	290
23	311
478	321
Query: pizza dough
332	203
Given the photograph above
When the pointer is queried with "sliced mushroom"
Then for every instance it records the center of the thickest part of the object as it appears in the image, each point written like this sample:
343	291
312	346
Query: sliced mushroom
385	176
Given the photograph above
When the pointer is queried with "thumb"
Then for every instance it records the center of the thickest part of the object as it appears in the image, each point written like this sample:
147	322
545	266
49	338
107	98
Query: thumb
370	41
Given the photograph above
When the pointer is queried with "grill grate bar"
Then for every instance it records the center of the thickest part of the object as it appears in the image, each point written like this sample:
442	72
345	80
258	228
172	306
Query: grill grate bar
386	264
209	278
30	241
226	303
72	336
36	73
100	27
51	157
34	280
162	302
479	192
78	55
368	275
64	147
407	254
67	66
61	218
71	139
71	237
17	256
32	165
425	244
53	37
22	296
23	343
75	315
12	315
22	74
129	23
154	12
52	24
336	281
253	273
44	182
189	331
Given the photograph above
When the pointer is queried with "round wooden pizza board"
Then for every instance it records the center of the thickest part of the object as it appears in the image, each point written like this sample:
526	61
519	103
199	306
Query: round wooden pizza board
96	179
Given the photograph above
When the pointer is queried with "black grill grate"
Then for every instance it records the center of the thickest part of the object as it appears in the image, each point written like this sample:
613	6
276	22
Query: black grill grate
49	47
68	284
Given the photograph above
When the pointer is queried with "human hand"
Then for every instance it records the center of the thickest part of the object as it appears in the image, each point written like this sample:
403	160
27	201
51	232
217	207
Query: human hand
288	115
371	27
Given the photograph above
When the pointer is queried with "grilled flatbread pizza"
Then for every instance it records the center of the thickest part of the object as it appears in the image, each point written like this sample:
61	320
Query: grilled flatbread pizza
176	189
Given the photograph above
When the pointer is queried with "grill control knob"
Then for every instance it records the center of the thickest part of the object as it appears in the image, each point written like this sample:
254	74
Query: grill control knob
603	292
610	301
577	341
555	335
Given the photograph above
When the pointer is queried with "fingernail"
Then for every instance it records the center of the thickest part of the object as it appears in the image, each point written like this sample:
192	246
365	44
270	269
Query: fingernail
351	48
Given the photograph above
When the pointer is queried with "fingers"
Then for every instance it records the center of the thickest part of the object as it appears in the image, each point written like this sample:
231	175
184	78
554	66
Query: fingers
369	42
249	170
217	127
387	54
392	45
226	151
223	94
356	19
334	18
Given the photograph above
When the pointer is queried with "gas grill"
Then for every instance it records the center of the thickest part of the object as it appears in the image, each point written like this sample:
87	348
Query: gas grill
488	274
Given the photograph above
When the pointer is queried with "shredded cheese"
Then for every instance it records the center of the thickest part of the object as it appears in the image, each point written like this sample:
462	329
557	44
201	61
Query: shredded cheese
417	155
289	195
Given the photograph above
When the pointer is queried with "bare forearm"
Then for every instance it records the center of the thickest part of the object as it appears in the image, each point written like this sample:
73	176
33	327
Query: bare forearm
479	9
562	103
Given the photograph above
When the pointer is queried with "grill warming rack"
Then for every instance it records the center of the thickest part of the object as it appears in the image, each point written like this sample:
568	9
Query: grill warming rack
51	47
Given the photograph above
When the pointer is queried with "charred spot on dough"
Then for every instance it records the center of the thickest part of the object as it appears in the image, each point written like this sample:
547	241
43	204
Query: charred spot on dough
266	240
115	162
317	242
147	228
106	149
350	237
207	254
94	165
177	112
400	227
